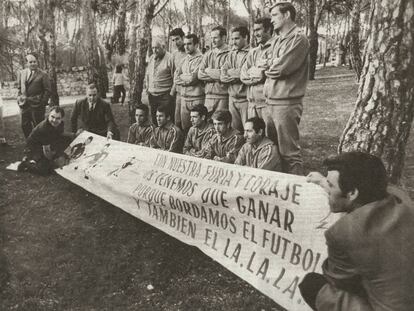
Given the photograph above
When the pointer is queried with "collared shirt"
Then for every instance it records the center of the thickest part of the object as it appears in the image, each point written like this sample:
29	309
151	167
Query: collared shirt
214	60
265	155
197	140
168	137
235	61
225	146
253	76
140	134
160	74
187	74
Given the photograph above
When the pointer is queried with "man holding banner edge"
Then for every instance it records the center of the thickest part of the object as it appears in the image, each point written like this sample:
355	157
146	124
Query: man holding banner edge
370	249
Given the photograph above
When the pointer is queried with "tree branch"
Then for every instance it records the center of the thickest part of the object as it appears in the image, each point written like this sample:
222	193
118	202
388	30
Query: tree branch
160	8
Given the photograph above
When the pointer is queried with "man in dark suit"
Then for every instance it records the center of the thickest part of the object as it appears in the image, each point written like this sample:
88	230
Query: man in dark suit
371	247
33	94
95	115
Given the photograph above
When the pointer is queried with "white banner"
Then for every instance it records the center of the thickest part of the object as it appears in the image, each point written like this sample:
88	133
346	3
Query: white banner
265	227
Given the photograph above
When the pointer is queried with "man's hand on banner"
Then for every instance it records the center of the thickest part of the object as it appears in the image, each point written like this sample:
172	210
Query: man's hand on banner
109	135
317	178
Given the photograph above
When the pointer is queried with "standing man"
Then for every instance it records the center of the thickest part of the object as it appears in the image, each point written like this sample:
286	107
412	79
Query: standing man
166	136
159	78
186	77
226	143
230	75
177	37
252	72
199	134
33	94
95	115
371	247
258	151
217	96
3	141
285	86
140	133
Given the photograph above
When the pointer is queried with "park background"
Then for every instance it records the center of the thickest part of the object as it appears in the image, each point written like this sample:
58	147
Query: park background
65	249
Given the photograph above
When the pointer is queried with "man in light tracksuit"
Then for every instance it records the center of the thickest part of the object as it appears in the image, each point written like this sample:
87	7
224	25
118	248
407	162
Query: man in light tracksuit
177	37
285	86
217	97
230	75
252	72
258	151
186	77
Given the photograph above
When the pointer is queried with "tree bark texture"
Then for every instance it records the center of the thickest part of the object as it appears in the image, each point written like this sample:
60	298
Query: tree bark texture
90	43
354	46
145	13
381	121
47	34
120	46
313	39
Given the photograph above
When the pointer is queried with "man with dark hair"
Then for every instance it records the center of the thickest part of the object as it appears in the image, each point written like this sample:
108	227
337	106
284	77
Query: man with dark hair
95	115
230	75
226	142
33	94
217	97
46	144
177	37
370	248
186	76
166	136
140	133
159	78
199	134
252	71
258	151
285	86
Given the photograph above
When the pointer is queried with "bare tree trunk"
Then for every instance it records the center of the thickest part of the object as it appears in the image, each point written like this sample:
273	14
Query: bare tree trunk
90	43
47	34
200	24
249	9
313	39
145	13
354	46
381	121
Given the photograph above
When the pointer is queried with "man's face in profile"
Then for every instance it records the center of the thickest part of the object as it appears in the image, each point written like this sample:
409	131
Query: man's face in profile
339	202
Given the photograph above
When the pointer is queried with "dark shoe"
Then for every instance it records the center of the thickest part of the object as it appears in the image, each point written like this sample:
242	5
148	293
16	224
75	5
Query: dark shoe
22	167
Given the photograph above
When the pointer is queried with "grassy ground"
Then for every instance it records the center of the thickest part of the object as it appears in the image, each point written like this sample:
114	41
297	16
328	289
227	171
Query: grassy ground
65	249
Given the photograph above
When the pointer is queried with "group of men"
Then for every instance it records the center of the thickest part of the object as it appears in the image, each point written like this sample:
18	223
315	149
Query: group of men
268	81
259	92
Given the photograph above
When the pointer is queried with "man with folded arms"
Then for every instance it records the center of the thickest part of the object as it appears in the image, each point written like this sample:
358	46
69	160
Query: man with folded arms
140	132
252	71
226	143
258	151
191	88
199	134
230	75
217	96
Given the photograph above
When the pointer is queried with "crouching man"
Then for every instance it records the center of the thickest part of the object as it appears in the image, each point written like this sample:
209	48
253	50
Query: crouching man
258	151
46	144
371	248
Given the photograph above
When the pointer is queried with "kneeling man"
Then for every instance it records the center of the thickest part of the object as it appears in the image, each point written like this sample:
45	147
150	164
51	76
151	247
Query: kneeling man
166	136
258	151
371	248
46	144
226	143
